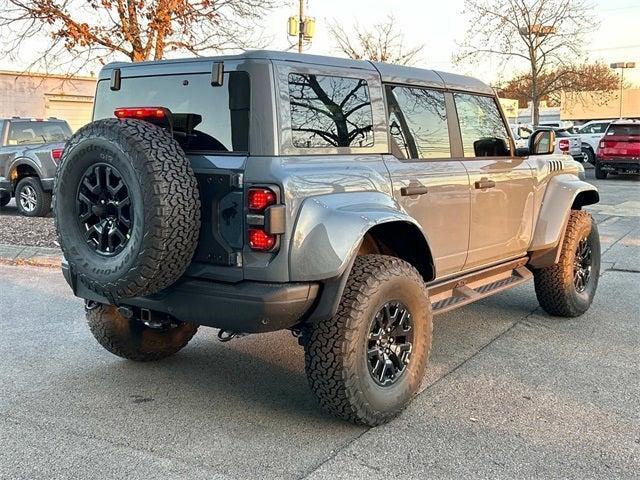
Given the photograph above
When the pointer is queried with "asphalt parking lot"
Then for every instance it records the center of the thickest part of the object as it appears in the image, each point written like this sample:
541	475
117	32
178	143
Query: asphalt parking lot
510	393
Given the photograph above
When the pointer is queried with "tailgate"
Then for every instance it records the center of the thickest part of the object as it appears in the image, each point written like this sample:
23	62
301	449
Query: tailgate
620	146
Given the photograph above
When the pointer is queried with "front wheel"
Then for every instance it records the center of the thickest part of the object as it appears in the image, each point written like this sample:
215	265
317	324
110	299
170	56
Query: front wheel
31	199
133	339
589	155
567	288
367	362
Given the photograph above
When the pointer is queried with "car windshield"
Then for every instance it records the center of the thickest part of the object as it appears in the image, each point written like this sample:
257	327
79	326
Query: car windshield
622	129
30	132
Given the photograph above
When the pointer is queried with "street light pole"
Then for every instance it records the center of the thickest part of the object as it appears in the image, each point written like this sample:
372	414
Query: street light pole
622	66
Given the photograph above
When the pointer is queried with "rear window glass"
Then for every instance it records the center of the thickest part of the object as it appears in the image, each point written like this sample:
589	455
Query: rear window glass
217	117
330	111
624	130
34	132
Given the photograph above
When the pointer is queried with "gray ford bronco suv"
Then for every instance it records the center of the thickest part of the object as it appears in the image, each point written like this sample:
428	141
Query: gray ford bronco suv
347	201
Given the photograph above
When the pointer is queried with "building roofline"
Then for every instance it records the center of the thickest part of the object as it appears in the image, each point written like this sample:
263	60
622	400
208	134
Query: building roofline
59	76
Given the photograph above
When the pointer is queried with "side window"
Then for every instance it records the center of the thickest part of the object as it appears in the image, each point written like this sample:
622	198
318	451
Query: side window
418	122
483	131
330	111
598	128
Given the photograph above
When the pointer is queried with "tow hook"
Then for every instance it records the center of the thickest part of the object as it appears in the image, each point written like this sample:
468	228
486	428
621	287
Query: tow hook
227	335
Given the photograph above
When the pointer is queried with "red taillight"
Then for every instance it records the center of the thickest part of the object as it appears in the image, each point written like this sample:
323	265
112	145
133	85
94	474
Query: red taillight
564	145
142	113
260	198
261	240
56	154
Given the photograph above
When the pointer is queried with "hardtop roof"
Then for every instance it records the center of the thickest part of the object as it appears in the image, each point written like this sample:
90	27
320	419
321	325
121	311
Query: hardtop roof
388	72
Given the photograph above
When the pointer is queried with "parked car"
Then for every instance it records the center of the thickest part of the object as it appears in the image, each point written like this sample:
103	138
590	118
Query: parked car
566	143
521	134
345	200
590	135
619	149
30	150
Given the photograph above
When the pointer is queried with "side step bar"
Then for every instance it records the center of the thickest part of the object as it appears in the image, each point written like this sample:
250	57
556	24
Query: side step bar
450	294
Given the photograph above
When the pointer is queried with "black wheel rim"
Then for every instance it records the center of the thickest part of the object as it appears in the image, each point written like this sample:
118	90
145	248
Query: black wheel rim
389	343
104	209
582	265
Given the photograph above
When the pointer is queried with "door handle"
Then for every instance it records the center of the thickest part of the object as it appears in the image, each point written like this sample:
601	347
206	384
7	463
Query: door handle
412	190
485	183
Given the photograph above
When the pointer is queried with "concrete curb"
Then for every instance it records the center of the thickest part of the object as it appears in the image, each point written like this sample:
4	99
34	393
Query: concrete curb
34	256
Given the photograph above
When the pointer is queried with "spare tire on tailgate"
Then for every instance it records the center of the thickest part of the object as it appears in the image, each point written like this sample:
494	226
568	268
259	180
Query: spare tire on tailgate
127	208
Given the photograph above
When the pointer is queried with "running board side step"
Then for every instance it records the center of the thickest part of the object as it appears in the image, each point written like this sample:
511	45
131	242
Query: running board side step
448	295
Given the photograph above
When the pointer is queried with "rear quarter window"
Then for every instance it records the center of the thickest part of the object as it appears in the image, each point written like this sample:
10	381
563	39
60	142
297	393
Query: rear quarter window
221	113
330	112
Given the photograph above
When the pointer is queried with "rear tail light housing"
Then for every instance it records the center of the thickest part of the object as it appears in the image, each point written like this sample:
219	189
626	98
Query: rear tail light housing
564	145
56	154
260	198
263	234
260	240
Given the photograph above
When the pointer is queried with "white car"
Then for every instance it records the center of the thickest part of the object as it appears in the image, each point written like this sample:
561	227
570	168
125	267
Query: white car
590	135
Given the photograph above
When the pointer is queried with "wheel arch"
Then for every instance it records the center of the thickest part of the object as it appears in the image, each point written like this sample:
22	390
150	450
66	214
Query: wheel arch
563	194
330	230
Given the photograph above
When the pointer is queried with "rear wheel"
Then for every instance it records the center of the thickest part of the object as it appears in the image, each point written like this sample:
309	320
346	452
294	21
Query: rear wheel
31	199
133	339
600	174
567	288
366	363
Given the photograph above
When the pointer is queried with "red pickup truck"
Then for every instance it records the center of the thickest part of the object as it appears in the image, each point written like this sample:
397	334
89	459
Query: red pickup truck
619	149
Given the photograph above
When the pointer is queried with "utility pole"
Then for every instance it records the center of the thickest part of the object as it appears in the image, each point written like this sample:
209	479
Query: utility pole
622	66
301	22
301	27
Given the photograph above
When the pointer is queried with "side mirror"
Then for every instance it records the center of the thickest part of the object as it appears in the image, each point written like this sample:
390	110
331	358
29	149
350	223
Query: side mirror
522	152
542	142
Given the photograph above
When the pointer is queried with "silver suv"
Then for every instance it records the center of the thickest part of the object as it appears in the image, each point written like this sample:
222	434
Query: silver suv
347	201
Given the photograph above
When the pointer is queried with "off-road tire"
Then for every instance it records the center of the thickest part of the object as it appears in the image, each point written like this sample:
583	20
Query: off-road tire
4	199
335	353
43	199
132	339
600	174
165	200
554	285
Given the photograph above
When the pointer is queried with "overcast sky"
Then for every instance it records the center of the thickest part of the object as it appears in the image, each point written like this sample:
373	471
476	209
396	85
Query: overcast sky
438	25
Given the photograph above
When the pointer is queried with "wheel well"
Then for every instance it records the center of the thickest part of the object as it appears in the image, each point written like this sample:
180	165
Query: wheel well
402	240
21	171
588	197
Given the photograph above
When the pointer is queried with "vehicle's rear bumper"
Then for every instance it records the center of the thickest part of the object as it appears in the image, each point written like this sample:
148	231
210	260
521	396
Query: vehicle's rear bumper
619	164
249	307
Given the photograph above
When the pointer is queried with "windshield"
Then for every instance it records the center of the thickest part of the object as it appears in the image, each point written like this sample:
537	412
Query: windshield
207	118
30	132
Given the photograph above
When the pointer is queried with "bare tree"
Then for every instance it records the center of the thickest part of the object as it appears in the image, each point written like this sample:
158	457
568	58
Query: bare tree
382	43
546	35
84	31
595	77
